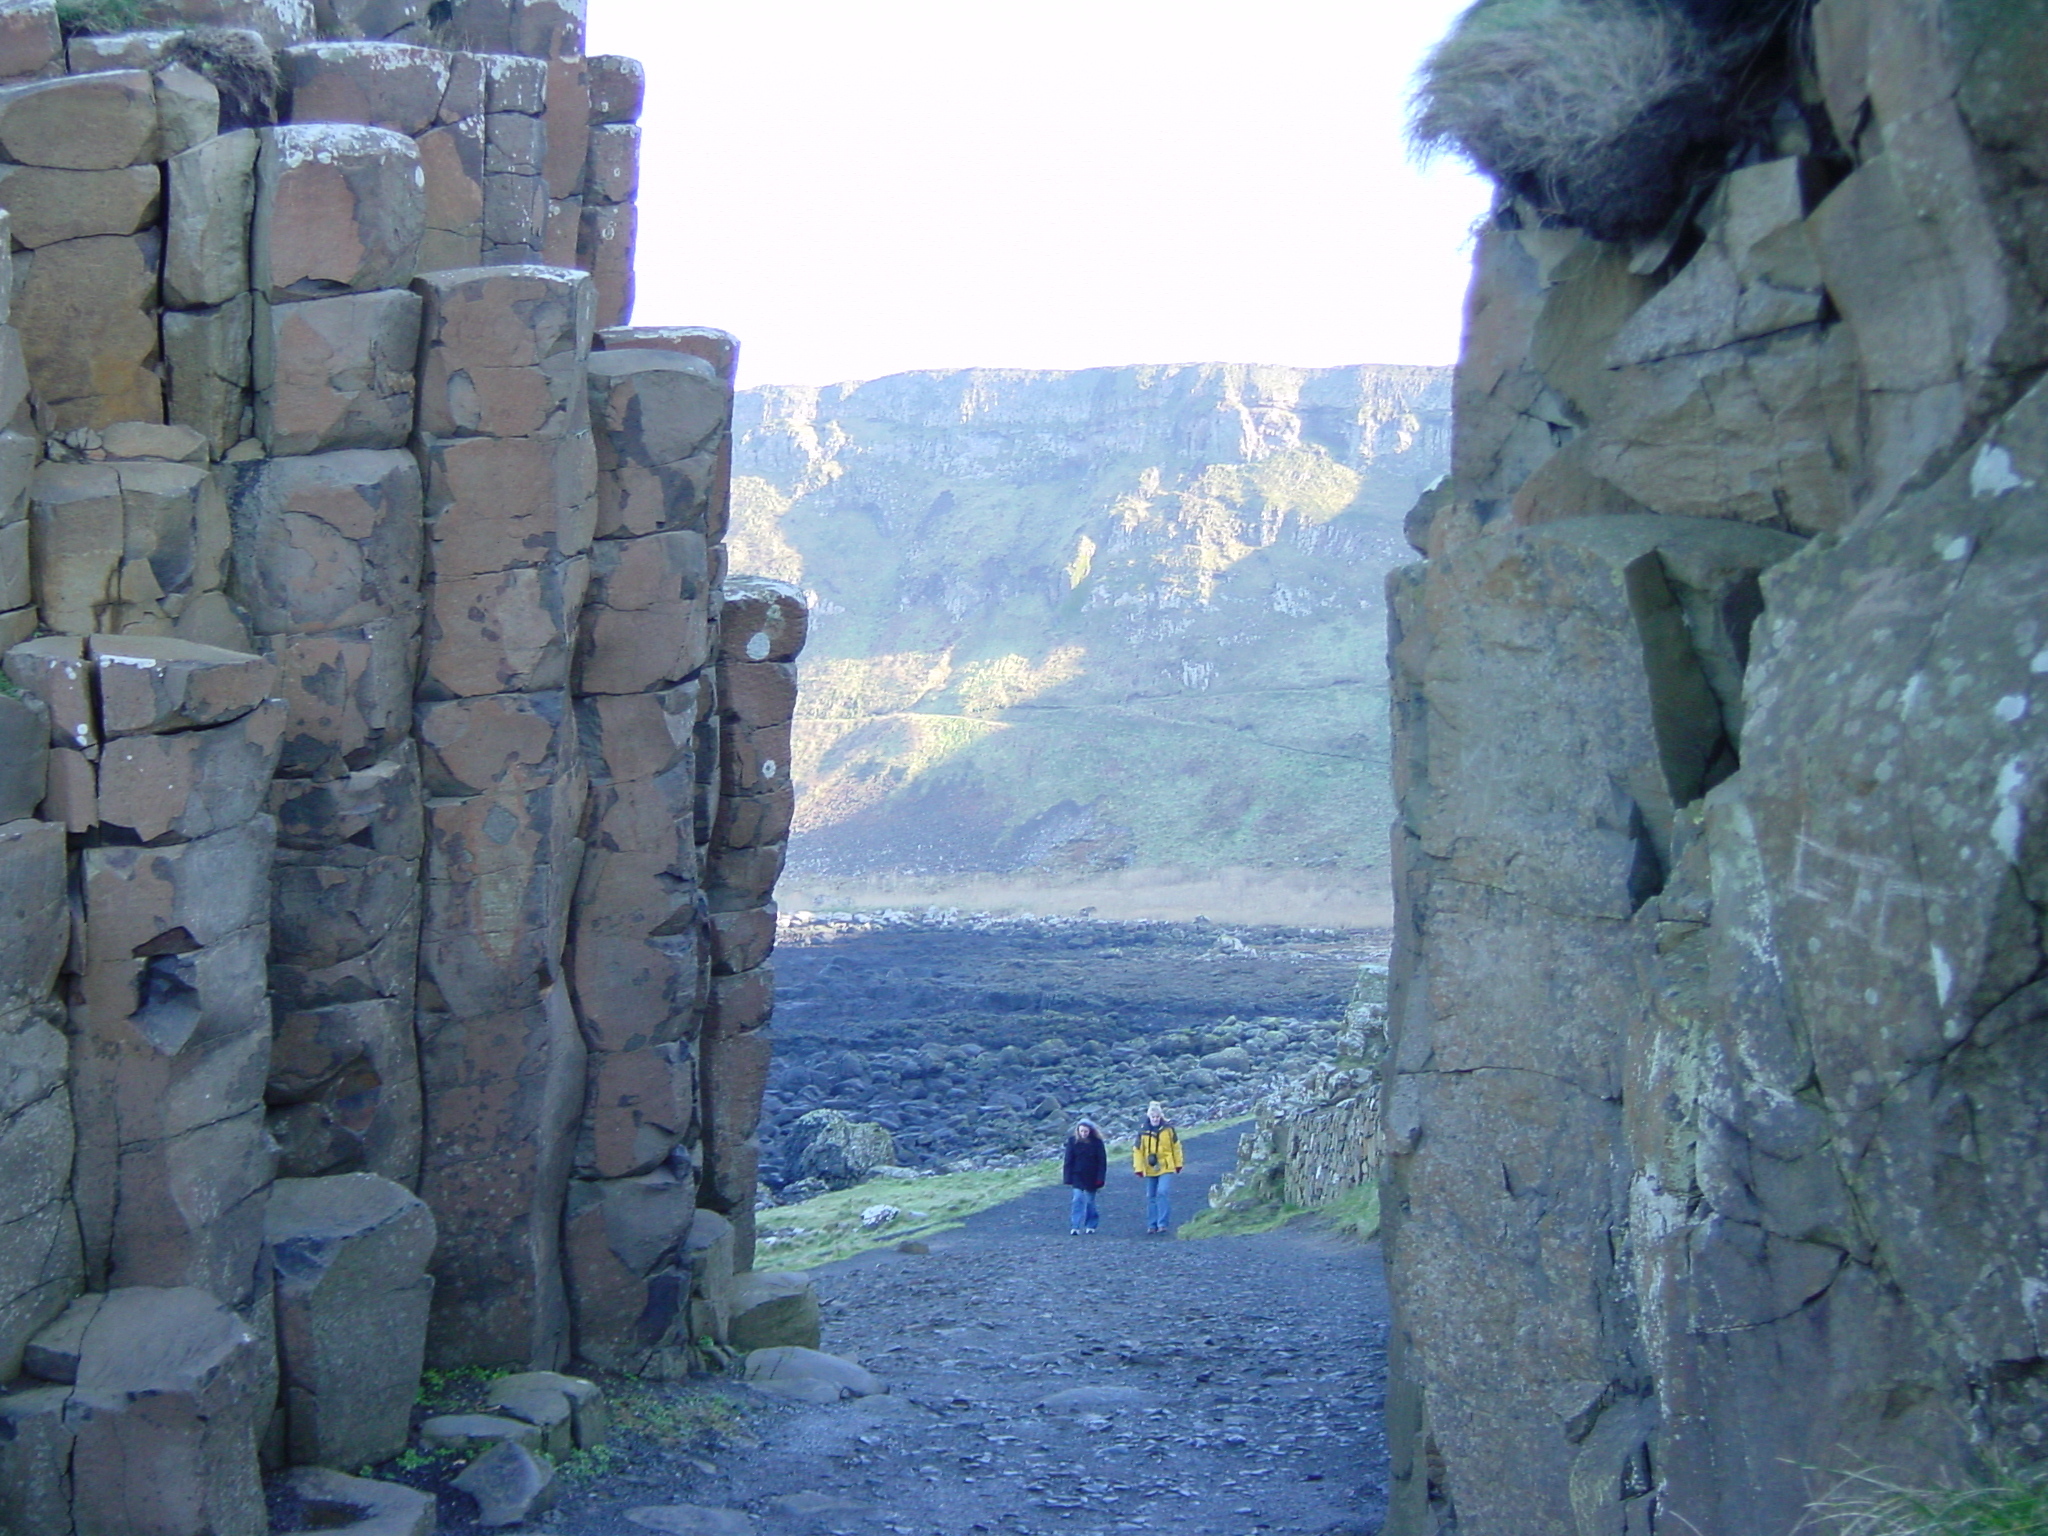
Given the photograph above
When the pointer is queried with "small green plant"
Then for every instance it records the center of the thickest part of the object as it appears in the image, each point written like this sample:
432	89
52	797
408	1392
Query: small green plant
412	1458
2010	1502
457	1389
675	1416
591	1463
98	18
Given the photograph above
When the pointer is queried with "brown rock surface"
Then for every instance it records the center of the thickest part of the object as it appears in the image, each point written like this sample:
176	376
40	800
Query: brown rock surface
46	206
339	208
84	310
338	373
91	122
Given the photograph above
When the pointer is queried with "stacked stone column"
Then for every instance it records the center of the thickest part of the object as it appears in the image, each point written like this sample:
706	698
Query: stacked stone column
510	471
761	631
327	555
636	935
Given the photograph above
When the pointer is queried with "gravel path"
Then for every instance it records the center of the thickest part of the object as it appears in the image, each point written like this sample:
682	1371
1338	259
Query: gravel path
1232	1385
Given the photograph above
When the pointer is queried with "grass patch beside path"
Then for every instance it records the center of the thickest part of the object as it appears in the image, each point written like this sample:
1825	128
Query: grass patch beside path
1355	1214
827	1227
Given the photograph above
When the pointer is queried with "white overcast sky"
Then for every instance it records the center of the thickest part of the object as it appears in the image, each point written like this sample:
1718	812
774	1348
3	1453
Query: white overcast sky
862	187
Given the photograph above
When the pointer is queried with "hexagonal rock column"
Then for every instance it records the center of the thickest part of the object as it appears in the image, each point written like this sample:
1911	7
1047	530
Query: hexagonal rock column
80	178
328	551
609	211
761	632
505	446
350	1257
41	1267
155	1429
19	452
635	935
171	1015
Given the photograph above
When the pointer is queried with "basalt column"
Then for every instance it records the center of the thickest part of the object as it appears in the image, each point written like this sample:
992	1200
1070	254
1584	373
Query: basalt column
327	555
504	444
637	940
761	631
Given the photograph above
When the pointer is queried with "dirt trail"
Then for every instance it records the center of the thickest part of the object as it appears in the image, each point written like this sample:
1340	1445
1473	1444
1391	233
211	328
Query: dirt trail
1234	1386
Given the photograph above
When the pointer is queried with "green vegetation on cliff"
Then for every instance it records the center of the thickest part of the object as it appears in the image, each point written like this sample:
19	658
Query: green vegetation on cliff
1069	622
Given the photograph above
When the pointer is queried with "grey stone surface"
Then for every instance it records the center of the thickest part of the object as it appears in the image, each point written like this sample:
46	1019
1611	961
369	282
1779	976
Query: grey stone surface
809	1376
350	1256
510	1485
338	373
771	1307
362	1506
339	208
206	235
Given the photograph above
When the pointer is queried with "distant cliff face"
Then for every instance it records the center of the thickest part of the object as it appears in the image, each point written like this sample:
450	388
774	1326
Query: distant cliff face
1075	621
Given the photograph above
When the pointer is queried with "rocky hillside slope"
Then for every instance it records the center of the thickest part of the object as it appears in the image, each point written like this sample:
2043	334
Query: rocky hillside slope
1124	617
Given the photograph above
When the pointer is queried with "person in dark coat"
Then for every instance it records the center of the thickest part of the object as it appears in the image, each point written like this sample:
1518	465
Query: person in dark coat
1087	1170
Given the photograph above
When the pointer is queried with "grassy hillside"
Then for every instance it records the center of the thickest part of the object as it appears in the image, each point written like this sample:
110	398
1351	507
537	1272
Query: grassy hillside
1069	622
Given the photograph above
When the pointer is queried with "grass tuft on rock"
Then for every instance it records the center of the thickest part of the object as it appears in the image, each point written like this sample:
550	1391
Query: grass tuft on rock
1602	113
2010	1503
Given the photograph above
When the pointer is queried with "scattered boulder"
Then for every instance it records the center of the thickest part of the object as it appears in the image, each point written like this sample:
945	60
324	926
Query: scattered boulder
809	1375
510	1484
831	1146
771	1307
476	1431
588	1418
359	1506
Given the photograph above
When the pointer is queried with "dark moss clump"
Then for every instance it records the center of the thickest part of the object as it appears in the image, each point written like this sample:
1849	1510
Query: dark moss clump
1604	114
241	68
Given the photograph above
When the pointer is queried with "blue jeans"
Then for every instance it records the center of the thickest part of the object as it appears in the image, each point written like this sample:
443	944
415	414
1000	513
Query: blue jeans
1082	1215
1159	1202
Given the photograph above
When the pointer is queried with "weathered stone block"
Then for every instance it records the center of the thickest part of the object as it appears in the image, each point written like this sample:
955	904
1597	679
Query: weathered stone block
350	1256
774	1307
31	44
280	23
339	208
375	810
502	1095
516	84
742	877
754	821
753	760
763	620
24	759
742	940
344	1089
499	502
617	86
88	332
338	373
452	164
189	784
329	541
646	619
514	144
35	1455
568	122
95	122
613	175
515	215
54	671
381	85
208	353
637	736
347	693
563	232
656	417
605	249
150	685
506	631
206	238
46	206
370	20
165	1418
625	1251
503	351
187	109
718	348
640	1108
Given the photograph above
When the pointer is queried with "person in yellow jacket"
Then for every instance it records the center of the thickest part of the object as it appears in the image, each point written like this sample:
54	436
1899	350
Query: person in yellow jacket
1155	1158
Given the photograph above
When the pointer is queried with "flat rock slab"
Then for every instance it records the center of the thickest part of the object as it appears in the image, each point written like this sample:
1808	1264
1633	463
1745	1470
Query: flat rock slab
820	1506
693	1520
809	1375
1095	1399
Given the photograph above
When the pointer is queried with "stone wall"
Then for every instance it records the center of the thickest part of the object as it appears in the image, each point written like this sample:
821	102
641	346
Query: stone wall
392	783
1714	1115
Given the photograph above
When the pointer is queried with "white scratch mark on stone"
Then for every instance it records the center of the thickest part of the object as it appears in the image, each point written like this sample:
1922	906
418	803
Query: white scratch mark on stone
1944	974
1992	473
2010	708
2006	825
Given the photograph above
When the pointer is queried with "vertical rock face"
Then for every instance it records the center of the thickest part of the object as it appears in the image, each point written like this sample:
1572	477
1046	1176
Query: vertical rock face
358	750
1714	1106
